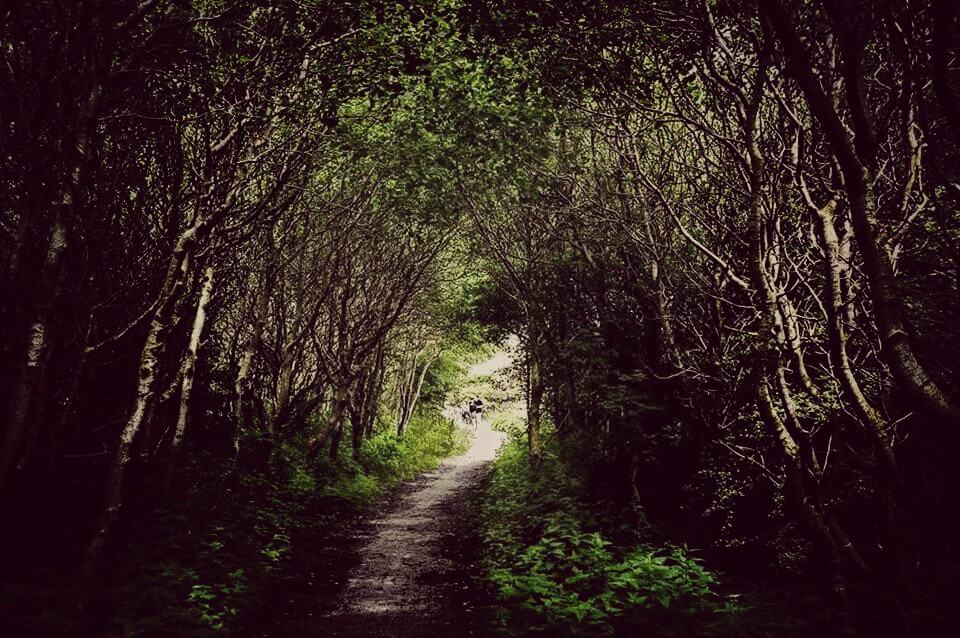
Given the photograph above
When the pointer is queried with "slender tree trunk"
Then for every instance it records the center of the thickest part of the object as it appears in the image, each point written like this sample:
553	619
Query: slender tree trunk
12	281
633	480
335	436
357	411
870	419
404	390
807	452
188	370
284	388
837	338
49	289
569	390
333	423
177	276
812	520
113	497
414	394
793	343
243	386
148	437
666	352
31	372
663	344
405	394
356	426
766	363
858	180
535	389
373	396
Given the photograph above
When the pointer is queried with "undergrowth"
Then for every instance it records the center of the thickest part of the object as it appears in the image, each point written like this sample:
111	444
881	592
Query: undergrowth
561	564
555	572
386	459
195	560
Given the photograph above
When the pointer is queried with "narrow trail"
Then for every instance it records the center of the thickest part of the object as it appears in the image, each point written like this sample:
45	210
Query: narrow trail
402	571
406	584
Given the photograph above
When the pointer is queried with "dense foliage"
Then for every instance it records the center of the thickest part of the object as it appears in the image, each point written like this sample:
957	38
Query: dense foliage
555	571
238	237
211	559
732	268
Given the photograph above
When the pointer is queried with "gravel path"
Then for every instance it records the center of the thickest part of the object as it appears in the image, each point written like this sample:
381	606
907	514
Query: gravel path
405	571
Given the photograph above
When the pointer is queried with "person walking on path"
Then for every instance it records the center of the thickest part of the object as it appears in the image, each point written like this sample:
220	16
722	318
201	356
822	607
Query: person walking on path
476	409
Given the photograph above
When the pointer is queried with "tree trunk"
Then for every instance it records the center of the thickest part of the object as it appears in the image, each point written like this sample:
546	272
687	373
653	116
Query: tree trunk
177	275
535	389
858	180
404	390
48	290
414	394
792	341
243	387
356	427
284	387
335	437
333	423
374	394
765	363
766	360
875	425
811	519
189	366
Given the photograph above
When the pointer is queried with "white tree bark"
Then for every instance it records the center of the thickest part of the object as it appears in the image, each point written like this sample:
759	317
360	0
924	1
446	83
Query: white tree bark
190	361
177	275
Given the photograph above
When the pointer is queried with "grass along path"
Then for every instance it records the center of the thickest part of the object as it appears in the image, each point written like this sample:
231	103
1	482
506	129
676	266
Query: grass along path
407	566
405	584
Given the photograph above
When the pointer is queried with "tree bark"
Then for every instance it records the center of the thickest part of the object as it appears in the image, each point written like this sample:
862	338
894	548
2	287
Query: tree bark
414	394
858	184
356	425
333	423
375	392
188	369
765	358
49	289
793	343
284	388
535	390
243	387
176	278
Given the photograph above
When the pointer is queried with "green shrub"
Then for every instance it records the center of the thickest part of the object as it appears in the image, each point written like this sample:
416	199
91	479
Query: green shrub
554	571
386	459
357	489
197	559
194	559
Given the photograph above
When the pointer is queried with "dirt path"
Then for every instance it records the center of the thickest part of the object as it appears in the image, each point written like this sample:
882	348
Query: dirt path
405	571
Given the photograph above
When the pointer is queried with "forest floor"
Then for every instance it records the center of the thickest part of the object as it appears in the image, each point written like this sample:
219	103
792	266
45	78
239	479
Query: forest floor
405	568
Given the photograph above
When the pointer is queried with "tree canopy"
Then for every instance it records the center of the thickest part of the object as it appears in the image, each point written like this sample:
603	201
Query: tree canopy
724	232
